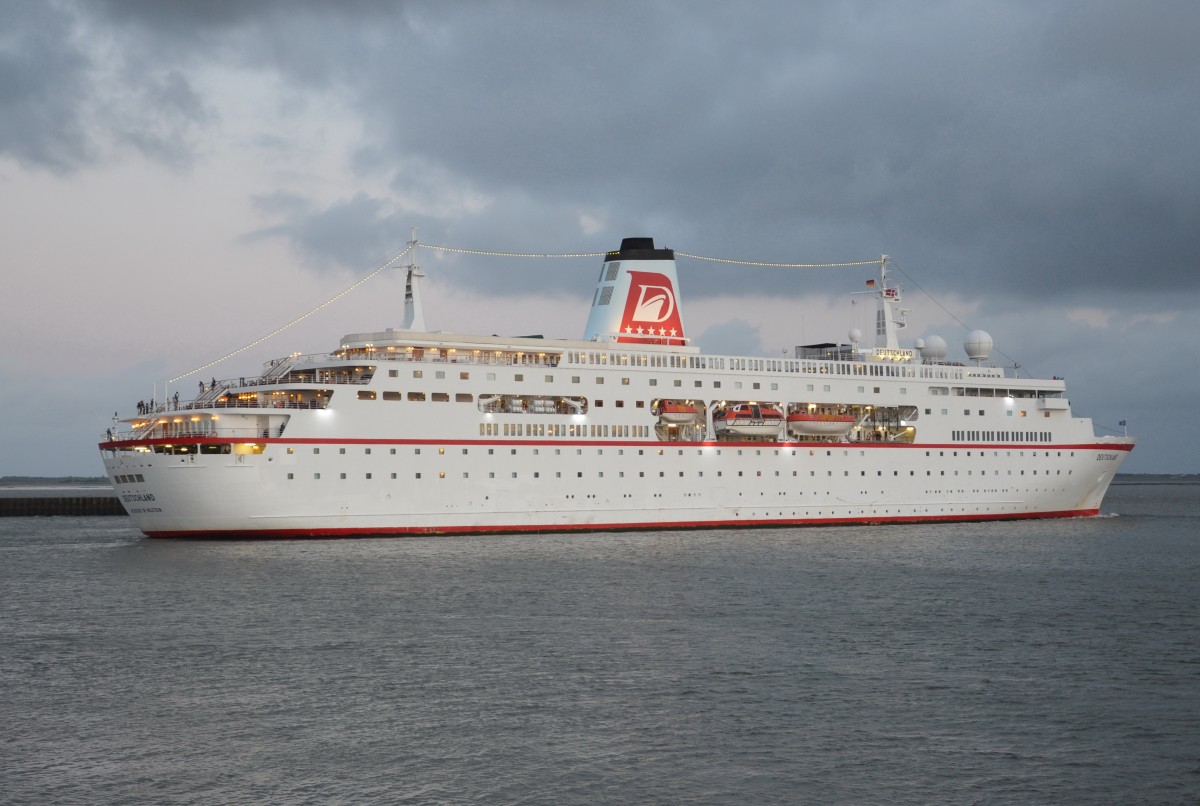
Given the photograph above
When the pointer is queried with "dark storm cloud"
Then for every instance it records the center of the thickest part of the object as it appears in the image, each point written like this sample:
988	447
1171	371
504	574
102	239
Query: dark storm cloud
43	86
357	233
993	146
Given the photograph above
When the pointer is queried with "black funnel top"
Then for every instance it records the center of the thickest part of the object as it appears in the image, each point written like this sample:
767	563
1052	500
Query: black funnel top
640	249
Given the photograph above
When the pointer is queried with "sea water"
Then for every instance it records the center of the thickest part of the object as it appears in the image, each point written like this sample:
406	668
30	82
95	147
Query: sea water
1022	662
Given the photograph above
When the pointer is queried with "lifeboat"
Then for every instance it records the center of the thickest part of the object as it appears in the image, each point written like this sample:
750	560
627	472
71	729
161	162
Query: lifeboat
677	412
819	425
748	420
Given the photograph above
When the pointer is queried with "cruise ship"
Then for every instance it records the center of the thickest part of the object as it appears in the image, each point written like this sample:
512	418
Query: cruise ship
405	431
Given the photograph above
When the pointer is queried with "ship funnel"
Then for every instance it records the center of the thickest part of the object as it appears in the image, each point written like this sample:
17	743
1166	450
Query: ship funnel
637	297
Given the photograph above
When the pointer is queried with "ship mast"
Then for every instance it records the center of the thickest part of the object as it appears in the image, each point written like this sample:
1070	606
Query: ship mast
889	317
414	311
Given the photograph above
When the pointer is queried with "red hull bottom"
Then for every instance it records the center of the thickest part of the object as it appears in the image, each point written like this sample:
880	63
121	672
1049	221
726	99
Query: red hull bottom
402	531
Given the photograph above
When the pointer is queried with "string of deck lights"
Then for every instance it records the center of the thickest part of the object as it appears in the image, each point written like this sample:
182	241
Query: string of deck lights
494	253
874	262
297	320
490	253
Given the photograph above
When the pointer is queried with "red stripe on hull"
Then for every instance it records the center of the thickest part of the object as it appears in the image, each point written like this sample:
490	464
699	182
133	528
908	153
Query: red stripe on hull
812	446
408	531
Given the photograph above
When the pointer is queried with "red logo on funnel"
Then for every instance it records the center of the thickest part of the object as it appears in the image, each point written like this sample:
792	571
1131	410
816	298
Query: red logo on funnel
651	310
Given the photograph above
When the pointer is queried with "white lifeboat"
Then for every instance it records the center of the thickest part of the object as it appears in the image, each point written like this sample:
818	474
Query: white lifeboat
677	412
804	424
748	420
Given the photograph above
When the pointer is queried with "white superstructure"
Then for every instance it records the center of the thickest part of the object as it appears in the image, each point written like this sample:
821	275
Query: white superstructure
409	432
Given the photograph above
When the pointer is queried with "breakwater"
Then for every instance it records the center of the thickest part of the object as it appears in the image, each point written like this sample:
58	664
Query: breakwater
60	505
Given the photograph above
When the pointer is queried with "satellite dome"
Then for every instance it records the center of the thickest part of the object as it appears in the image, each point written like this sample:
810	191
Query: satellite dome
855	335
935	348
919	344
978	345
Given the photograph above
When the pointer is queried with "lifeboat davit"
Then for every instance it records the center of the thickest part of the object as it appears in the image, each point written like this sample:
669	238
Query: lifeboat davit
748	420
677	413
820	425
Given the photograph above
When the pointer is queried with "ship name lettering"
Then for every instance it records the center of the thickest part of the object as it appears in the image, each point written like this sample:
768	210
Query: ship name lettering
1106	457
132	497
892	354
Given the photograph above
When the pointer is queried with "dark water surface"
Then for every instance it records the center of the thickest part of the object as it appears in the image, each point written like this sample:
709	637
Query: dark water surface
1043	662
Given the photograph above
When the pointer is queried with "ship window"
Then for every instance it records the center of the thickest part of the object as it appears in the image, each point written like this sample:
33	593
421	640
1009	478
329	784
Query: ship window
716	384
368	475
491	376
392	451
393	373
981	412
365	395
678	382
367	451
291	450
316	476
463	397
391	396
757	385
418	475
290	476
316	450
418	373
393	475
518	377
599	379
574	379
342	475
440	397
464	376
624	381
341	450
416	397
654	381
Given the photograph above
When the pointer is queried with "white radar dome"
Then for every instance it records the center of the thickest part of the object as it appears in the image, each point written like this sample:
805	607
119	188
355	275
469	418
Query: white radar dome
855	335
935	348
919	344
978	345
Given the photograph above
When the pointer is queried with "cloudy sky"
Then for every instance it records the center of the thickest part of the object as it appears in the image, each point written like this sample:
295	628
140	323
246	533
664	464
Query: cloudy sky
179	179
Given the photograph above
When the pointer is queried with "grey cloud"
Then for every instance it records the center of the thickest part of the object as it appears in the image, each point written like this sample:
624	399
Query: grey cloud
169	113
735	337
1006	147
346	234
43	84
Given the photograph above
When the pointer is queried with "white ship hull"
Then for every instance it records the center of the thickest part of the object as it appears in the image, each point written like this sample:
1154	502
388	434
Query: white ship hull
405	432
